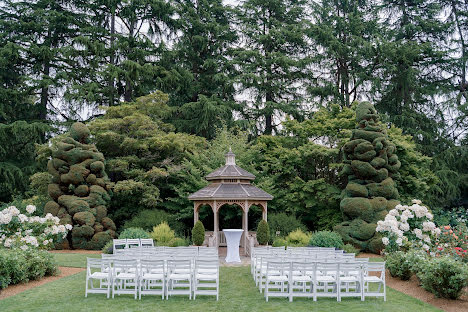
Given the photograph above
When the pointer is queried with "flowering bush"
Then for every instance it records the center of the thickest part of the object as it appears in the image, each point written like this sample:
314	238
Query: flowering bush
408	225
25	231
452	242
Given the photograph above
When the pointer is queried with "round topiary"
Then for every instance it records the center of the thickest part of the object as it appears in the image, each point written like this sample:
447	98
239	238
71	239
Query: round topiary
198	233
263	232
326	239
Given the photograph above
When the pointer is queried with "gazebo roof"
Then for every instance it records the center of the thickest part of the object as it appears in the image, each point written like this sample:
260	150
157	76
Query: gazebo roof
230	191
230	170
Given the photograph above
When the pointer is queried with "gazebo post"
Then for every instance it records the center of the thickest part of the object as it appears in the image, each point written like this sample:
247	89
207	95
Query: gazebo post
216	225
195	213
264	212
245	223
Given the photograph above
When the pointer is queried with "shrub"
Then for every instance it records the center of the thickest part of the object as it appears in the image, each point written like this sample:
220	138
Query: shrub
444	277
398	265
452	241
348	248
17	266
326	239
263	232
178	241
198	233
163	235
148	218
134	233
108	247
283	223
297	238
279	241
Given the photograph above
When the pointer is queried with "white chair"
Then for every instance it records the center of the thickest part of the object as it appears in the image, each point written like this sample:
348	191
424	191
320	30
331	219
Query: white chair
206	278
276	279
152	279
125	277
146	242
98	269
179	277
326	276
118	245
133	243
301	279
374	273
350	283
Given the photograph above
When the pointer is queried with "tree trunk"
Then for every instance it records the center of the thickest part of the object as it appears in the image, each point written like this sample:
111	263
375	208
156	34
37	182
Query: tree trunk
112	59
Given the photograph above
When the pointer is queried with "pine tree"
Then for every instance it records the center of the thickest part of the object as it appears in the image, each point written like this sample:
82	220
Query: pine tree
203	92
271	59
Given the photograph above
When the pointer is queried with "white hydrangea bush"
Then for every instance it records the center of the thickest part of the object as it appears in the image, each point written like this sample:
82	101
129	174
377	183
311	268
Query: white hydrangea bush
26	231
408	225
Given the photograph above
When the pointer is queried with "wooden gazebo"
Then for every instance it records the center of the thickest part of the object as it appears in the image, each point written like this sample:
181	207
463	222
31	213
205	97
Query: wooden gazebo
230	185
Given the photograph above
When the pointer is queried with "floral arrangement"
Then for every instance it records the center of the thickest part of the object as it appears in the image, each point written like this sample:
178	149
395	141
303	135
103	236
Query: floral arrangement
408	226
18	230
453	242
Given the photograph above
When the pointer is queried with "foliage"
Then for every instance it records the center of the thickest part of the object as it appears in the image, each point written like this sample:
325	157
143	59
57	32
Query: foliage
163	235
406	225
148	218
24	231
284	224
279	241
297	238
179	242
348	248
108	248
198	233
326	239
134	232
444	277
452	242
404	264
263	232
17	266
451	216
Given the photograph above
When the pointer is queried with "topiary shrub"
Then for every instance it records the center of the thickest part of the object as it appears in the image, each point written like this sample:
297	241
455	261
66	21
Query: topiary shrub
134	233
163	235
326	239
297	238
263	232
348	248
284	224
198	233
444	277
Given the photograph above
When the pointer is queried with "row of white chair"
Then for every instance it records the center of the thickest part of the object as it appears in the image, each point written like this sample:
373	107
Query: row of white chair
118	244
164	276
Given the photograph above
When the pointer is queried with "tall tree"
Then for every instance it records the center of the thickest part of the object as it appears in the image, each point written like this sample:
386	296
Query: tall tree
203	93
345	50
271	59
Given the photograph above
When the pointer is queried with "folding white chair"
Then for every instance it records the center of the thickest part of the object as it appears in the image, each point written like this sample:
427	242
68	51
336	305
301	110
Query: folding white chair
133	242
351	284
374	273
179	277
98	269
118	245
152	279
276	279
125	277
326	276
206	278
301	279
146	242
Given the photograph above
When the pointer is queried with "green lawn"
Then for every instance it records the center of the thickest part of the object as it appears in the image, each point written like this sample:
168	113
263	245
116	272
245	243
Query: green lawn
73	259
237	293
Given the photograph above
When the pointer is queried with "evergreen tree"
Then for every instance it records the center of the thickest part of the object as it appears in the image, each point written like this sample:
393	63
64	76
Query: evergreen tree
271	59
203	92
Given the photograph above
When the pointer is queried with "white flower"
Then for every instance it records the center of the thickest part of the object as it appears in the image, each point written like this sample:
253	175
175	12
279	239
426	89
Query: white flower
400	207
436	231
394	212
385	241
416	201
68	227
13	211
45	242
404	226
428	226
30	208
418	233
24	247
399	241
426	247
8	242
427	239
22	218
429	216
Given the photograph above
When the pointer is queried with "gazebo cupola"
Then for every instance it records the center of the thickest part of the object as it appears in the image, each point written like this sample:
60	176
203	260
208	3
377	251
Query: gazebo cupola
230	185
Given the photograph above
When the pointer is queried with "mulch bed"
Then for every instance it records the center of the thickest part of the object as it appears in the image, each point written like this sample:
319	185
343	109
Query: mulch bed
77	251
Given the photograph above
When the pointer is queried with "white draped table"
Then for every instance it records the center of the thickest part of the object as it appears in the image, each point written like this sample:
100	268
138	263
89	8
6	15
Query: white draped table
233	237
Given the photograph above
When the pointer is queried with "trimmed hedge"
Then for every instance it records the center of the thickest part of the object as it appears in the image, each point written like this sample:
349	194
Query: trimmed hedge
263	232
17	266
326	239
198	233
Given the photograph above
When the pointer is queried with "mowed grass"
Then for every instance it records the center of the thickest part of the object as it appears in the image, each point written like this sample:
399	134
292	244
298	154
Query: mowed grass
74	260
237	293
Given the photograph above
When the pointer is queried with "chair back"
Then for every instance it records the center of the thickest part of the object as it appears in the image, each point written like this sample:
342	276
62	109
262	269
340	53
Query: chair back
118	244
133	242
146	242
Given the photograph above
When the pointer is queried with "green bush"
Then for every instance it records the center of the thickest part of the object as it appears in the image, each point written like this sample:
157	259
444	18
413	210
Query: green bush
279	241
348	248
444	277
17	266
398	265
178	242
326	239
134	233
147	219
263	232
108	247
297	238
198	233
163	235
283	223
